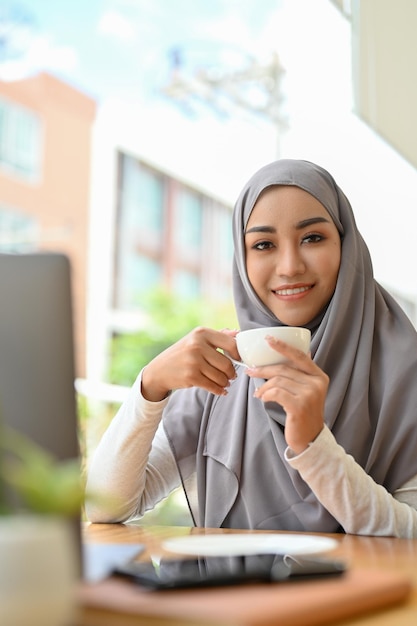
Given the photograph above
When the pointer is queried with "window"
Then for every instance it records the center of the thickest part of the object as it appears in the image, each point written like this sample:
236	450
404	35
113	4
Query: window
20	141
224	243
140	275
168	235
140	232
186	285
18	232
188	224
142	199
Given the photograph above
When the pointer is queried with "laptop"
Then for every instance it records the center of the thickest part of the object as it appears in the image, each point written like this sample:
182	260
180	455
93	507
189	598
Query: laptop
37	373
37	395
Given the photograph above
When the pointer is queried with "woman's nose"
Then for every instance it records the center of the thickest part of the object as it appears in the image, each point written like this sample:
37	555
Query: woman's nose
289	262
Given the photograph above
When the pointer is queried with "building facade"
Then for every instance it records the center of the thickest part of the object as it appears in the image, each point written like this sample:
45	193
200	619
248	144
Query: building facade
150	227
150	230
45	162
167	234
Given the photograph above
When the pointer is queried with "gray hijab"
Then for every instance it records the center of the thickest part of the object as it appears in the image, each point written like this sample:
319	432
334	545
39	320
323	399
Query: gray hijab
234	445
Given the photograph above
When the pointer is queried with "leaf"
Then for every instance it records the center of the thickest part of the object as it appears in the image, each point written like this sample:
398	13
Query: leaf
42	484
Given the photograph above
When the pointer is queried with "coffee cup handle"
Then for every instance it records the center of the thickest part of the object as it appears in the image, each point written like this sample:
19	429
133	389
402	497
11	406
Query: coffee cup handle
240	363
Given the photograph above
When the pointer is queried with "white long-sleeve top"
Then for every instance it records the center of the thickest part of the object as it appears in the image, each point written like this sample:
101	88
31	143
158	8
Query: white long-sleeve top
133	468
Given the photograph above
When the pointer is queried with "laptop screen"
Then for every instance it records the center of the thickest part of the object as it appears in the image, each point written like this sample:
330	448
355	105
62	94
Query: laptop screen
37	394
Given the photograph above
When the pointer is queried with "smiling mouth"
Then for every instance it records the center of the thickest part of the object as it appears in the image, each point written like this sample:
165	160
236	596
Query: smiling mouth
292	292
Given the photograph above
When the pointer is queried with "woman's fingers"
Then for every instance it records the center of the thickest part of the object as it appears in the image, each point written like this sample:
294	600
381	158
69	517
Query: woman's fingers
194	361
300	387
294	355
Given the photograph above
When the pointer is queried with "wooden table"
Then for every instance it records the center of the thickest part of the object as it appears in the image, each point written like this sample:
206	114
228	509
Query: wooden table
374	554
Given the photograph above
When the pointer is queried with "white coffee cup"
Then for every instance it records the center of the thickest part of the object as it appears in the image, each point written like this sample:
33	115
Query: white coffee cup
255	351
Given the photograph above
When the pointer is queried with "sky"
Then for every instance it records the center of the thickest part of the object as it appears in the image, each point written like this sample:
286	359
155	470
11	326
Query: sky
124	48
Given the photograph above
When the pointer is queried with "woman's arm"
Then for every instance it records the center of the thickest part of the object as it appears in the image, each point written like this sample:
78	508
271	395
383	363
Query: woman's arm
355	500
132	468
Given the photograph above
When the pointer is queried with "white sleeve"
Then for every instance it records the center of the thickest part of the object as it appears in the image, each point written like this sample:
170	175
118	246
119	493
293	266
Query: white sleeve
132	468
355	500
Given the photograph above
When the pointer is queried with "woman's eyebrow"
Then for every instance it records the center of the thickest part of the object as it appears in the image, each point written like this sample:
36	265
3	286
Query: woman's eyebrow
299	226
261	229
310	221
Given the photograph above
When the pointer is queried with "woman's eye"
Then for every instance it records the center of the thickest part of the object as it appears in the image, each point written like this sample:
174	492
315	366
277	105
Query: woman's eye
313	238
262	245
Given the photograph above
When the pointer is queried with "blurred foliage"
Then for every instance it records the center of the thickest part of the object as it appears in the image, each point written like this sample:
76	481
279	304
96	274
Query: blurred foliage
38	482
167	319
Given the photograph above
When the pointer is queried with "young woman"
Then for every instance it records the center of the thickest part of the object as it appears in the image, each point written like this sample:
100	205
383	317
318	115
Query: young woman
326	442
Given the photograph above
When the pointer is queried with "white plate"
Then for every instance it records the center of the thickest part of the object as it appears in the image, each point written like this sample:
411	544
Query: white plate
242	544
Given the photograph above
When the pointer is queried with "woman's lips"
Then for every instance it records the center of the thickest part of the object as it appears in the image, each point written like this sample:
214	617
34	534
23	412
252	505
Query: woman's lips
292	291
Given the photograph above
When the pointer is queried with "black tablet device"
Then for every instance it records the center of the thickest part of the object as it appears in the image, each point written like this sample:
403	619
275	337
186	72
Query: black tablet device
227	570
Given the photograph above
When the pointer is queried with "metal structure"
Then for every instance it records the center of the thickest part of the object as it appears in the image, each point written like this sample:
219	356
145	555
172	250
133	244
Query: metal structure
255	88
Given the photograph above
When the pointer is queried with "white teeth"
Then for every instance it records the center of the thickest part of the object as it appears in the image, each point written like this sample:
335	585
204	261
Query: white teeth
291	292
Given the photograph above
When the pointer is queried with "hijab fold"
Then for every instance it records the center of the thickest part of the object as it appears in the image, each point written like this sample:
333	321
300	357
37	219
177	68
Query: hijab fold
365	343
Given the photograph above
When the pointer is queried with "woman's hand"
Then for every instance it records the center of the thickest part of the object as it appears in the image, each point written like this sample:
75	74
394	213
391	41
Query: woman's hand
194	361
300	387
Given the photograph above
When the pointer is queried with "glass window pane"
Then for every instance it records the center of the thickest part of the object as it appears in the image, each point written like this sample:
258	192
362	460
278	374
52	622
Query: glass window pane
224	246
188	223
142	198
18	232
140	231
139	274
186	284
20	140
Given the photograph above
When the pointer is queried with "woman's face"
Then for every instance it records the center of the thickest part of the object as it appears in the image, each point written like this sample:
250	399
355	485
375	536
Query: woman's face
293	253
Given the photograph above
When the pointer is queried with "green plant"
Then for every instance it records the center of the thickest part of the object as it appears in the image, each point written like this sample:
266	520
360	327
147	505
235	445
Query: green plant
33	480
168	318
